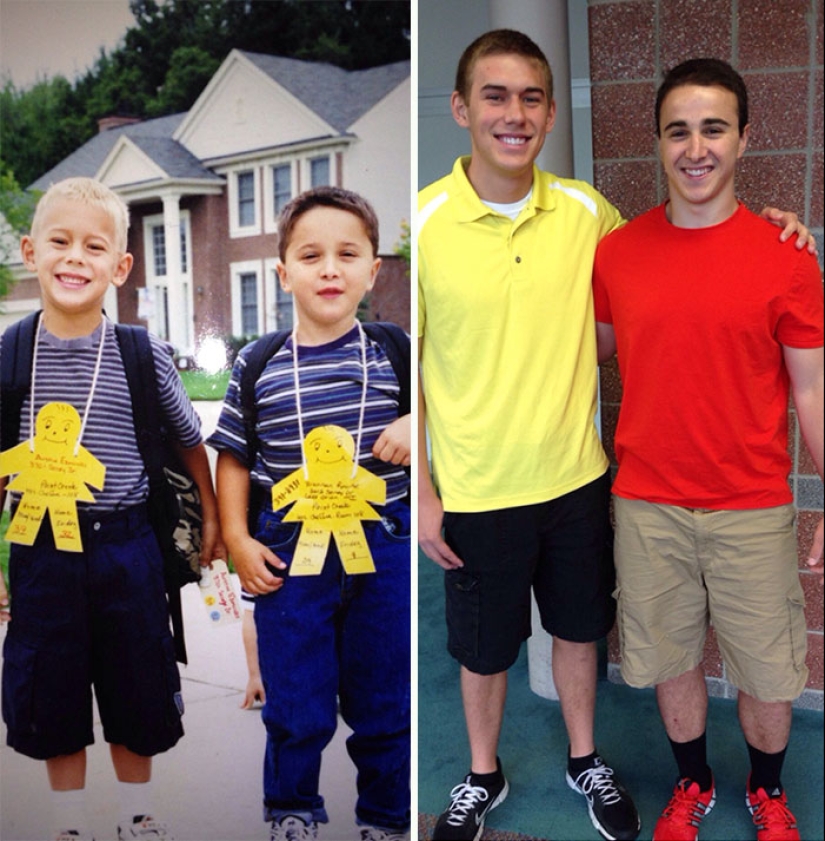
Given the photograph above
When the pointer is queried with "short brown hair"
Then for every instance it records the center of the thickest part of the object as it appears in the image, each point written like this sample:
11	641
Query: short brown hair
500	42
335	197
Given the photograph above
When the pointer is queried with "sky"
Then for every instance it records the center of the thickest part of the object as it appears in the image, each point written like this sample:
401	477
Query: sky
44	38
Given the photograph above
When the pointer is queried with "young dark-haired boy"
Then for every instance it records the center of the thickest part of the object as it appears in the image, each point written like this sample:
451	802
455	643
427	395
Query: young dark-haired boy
335	633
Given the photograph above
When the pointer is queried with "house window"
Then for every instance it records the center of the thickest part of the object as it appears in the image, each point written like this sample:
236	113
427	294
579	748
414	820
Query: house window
184	256
281	186
283	309
319	171
249	303
246	199
159	250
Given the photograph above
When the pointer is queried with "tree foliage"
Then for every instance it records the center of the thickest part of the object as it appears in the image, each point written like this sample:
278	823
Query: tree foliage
16	211
168	56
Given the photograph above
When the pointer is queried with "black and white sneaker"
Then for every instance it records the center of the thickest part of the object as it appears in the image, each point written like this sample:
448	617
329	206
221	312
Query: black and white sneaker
470	802
611	809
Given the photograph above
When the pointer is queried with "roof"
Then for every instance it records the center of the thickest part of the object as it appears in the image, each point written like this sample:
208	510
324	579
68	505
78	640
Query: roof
154	137
340	97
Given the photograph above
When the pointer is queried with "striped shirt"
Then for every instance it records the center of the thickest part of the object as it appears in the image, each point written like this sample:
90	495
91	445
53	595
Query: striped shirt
65	368
330	379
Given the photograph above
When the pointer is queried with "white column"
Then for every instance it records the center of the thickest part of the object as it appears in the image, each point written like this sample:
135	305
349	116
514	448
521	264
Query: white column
178	332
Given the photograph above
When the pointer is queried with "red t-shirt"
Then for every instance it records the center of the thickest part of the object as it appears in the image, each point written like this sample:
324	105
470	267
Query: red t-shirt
700	317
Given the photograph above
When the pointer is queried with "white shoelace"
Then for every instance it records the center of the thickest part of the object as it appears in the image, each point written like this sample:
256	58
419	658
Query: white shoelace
464	797
600	779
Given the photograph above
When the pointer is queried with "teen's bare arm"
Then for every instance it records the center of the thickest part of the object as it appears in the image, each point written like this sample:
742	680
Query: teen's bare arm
430	509
805	367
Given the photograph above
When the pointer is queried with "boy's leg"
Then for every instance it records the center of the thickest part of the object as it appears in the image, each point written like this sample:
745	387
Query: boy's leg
130	767
574	675
67	773
67	778
375	673
483	697
299	668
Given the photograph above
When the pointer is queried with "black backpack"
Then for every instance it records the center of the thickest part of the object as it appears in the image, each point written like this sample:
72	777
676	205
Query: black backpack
392	338
174	502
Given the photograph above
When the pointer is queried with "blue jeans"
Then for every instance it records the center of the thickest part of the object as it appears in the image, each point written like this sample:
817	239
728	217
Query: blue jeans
338	638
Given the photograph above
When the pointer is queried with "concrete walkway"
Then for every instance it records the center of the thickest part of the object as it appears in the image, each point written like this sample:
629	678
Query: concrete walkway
208	787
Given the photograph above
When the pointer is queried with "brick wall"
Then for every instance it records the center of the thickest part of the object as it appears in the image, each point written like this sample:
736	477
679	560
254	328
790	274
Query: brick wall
778	48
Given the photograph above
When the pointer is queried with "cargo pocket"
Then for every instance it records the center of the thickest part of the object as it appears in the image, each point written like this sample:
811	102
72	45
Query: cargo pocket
463	600
799	630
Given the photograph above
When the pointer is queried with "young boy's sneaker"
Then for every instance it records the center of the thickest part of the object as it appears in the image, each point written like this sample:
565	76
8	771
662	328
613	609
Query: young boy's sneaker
374	833
773	819
682	816
292	828
470	802
144	827
72	835
611	808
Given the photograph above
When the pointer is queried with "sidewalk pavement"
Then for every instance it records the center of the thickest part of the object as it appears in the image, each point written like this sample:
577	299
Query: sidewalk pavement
208	787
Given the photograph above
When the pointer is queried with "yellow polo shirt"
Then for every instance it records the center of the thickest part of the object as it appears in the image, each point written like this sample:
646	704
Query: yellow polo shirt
508	359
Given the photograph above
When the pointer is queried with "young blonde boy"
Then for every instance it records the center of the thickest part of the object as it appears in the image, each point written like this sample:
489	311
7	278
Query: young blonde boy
336	635
97	618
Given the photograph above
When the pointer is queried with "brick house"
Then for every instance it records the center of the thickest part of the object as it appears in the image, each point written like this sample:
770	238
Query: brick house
205	187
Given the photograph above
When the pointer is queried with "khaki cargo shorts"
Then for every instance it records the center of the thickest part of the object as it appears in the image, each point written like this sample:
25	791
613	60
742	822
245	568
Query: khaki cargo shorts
679	569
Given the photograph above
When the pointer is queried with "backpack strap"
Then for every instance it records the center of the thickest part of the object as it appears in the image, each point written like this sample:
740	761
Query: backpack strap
396	344
139	364
16	376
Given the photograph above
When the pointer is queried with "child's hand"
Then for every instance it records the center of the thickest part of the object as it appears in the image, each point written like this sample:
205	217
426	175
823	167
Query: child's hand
393	444
212	545
250	558
4	601
254	693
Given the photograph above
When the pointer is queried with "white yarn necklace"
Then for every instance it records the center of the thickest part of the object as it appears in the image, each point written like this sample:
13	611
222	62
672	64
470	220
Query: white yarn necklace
362	409
95	377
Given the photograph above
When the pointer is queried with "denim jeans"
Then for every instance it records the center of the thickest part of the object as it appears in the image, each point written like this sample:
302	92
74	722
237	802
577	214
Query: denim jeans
337	638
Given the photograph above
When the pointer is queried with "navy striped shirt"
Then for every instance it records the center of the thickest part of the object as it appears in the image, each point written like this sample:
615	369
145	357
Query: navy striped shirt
331	380
65	368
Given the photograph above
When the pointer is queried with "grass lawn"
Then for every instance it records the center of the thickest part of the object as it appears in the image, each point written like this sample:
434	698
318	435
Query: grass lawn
202	386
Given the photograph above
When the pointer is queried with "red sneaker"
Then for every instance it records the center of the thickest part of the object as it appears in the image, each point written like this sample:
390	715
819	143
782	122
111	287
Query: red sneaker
681	818
773	819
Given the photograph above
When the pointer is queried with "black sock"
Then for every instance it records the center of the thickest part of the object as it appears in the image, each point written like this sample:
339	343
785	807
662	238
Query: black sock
766	770
692	759
487	779
580	763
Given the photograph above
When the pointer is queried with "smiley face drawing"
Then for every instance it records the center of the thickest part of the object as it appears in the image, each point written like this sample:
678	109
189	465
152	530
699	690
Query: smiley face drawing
331	495
53	471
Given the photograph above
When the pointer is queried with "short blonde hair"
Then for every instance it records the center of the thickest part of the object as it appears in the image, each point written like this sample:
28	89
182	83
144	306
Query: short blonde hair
91	192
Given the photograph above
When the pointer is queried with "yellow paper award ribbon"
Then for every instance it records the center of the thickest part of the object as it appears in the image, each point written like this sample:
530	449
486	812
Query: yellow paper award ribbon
331	495
51	476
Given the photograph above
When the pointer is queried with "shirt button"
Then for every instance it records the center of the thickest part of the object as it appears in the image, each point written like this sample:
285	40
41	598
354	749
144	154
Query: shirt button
518	259
96	526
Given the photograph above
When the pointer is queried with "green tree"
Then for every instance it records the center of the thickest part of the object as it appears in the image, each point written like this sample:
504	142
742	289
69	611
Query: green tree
170	53
16	210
